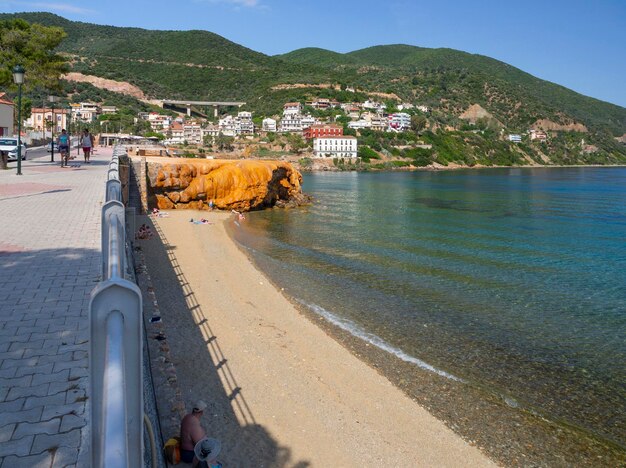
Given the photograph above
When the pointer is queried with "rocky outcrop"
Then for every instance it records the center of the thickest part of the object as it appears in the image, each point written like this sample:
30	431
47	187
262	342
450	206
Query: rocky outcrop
475	112
240	185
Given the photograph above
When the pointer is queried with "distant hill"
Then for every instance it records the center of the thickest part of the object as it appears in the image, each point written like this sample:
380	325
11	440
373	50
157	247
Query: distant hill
200	65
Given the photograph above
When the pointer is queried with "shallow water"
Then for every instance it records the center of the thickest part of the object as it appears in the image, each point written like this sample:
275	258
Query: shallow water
510	279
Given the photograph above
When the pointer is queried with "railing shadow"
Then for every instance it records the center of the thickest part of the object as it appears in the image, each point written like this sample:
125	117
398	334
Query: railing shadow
206	373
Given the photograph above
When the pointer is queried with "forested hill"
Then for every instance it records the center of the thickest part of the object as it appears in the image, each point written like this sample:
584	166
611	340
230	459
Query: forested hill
201	65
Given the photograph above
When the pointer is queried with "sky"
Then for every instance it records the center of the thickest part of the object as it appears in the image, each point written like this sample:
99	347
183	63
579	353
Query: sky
580	44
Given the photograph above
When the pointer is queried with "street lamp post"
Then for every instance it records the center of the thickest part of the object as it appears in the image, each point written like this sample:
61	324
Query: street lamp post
78	115
18	78
52	100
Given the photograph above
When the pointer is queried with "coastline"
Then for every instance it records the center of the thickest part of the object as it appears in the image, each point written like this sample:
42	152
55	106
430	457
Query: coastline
280	390
509	436
511	432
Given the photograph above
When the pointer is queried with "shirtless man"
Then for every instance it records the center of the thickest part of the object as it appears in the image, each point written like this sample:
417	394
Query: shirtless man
191	432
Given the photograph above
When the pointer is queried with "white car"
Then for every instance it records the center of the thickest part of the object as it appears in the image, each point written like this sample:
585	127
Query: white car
10	146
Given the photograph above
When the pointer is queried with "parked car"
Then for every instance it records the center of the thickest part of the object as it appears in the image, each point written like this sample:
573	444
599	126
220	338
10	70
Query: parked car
49	147
10	146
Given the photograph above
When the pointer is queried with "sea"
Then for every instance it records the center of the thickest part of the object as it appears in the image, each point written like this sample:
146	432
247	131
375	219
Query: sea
513	280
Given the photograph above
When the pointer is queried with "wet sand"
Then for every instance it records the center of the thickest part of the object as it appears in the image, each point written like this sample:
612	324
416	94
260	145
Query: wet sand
281	391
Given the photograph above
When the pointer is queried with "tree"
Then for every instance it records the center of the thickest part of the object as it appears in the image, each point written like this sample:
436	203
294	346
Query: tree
418	123
32	46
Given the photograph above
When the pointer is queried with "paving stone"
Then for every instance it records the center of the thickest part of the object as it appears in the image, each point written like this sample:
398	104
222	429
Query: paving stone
63	410
66	439
62	376
25	392
30	362
47	401
20	447
12	405
40	460
44	427
6	432
61	357
44	369
67	456
71	421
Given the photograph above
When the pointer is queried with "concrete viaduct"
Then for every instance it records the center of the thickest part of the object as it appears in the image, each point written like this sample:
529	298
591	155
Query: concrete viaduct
214	104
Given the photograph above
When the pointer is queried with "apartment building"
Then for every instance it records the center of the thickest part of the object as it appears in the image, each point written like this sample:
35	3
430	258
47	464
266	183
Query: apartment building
292	108
315	131
192	132
45	120
269	125
85	112
399	122
344	146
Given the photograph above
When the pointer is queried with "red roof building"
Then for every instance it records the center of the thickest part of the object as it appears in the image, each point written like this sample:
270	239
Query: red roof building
316	131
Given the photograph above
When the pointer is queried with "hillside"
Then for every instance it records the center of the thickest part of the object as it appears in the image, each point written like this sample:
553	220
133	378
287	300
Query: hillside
200	65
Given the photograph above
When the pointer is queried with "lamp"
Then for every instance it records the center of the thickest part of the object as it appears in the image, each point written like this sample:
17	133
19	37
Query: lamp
18	78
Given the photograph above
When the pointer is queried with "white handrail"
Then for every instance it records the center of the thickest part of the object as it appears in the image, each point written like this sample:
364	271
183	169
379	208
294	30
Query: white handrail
116	363
116	448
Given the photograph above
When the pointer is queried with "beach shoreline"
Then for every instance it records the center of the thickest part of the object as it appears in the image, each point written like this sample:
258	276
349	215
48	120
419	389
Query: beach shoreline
278	387
464	414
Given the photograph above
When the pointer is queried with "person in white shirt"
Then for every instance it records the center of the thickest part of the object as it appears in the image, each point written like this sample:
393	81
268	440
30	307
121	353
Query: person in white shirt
86	142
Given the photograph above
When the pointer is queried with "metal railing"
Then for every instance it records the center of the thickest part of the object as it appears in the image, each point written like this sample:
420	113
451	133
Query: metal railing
116	368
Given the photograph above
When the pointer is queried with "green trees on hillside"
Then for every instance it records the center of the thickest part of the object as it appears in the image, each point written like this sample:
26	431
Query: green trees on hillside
32	46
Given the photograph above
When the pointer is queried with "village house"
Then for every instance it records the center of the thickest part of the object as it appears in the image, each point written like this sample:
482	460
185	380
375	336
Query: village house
177	134
46	120
269	125
399	122
192	132
85	112
228	125
6	115
376	121
211	130
515	138
109	110
344	146
538	135
360	124
158	122
292	108
295	123
323	103
315	131
375	106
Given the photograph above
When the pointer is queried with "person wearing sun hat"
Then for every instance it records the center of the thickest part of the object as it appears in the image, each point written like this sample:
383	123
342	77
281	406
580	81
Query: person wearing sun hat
191	431
206	452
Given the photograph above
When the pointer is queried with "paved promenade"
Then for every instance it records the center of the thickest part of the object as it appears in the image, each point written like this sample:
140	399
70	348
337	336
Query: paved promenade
49	263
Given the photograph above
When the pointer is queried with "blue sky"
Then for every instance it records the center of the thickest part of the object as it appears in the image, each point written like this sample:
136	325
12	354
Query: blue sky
578	44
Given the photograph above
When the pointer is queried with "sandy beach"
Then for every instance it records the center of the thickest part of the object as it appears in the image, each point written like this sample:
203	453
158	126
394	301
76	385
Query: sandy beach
281	392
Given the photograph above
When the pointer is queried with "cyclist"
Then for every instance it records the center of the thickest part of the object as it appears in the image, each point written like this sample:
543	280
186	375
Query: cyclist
64	146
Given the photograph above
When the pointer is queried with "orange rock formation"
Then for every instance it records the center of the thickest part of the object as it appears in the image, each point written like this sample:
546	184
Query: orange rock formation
240	185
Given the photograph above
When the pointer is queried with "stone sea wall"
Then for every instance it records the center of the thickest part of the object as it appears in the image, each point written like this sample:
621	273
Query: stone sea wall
242	185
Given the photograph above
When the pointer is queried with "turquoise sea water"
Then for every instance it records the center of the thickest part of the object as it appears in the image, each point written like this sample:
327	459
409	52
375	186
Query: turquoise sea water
511	279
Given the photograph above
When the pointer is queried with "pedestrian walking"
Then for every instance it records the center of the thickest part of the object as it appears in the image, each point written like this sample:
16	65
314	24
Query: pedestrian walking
87	144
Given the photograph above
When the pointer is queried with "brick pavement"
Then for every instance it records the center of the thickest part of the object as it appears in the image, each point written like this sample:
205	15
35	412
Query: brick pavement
49	262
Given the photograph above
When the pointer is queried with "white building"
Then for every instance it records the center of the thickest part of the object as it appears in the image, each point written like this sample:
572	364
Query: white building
269	125
109	110
344	146
192	132
244	124
177	134
294	123
515	138
6	115
85	112
399	122
360	124
292	108
373	105
424	109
